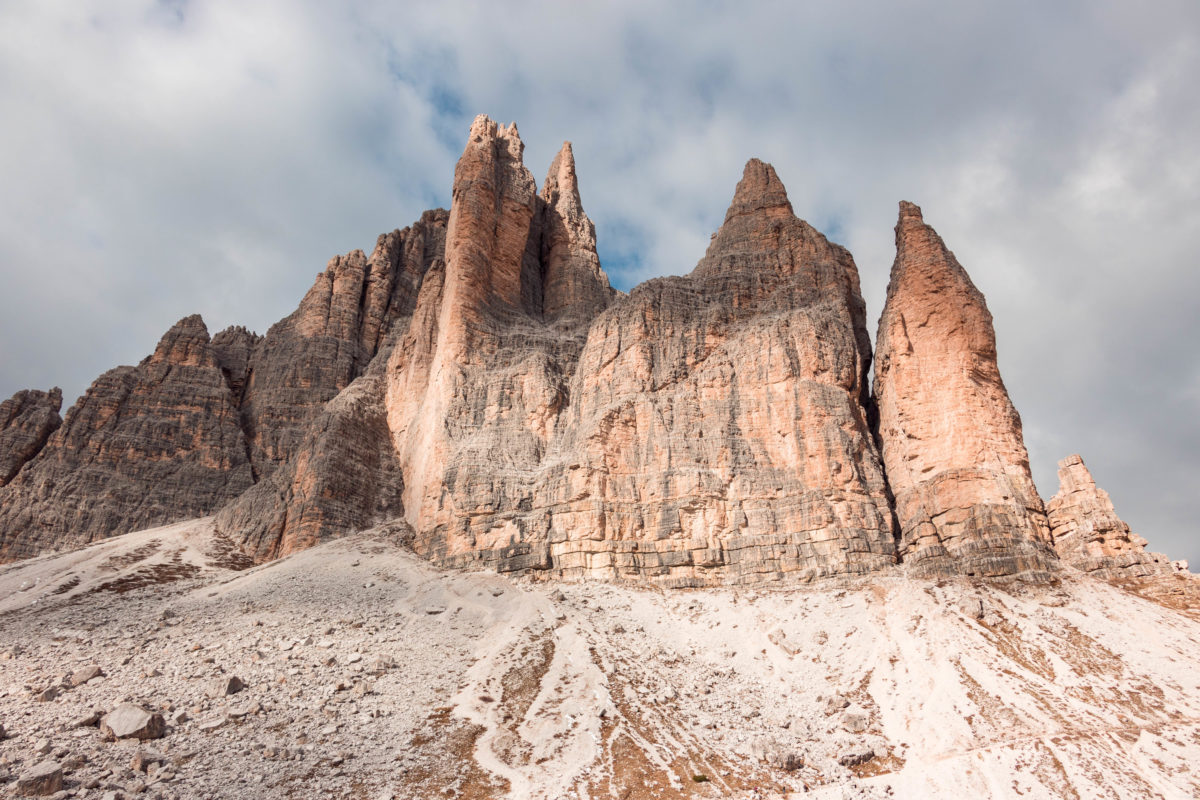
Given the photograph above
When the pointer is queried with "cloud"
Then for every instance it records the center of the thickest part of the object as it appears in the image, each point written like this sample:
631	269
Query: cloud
172	157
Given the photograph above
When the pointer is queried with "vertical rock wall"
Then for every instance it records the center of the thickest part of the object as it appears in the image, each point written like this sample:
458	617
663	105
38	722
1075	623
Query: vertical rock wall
26	421
951	438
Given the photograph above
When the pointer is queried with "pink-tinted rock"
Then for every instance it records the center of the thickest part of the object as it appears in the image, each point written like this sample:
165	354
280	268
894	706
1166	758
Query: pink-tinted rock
26	421
705	429
950	437
573	285
308	357
1089	535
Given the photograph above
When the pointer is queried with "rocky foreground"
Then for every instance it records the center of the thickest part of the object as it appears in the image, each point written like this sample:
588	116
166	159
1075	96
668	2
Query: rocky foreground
357	669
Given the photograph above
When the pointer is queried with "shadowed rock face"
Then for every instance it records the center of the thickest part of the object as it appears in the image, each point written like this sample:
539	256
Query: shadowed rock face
26	421
1087	532
145	445
951	439
308	357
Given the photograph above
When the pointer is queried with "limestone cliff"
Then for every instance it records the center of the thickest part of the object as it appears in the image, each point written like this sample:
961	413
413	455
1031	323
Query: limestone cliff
1089	535
308	357
950	437
144	446
26	421
704	429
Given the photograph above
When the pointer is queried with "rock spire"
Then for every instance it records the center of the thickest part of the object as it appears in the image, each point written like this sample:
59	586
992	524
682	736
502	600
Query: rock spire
1087	532
951	438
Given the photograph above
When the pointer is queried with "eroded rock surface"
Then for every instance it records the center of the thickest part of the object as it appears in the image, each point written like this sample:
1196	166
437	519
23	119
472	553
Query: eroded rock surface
26	421
1089	535
705	429
311	355
950	436
145	445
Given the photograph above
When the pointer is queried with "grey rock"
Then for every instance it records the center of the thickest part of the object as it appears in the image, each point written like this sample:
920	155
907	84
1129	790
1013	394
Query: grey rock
44	778
130	721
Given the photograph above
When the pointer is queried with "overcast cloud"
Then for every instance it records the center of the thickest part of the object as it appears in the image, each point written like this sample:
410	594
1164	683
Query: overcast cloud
164	158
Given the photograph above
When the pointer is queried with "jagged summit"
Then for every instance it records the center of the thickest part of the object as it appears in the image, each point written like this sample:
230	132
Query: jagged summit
950	437
475	381
758	190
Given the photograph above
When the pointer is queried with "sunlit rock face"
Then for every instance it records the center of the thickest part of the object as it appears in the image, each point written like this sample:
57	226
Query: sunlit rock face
704	429
950	437
1089	535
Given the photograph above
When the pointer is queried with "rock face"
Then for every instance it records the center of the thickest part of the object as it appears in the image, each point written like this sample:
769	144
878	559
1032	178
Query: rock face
950	437
705	429
145	445
308	357
26	421
476	383
1089	535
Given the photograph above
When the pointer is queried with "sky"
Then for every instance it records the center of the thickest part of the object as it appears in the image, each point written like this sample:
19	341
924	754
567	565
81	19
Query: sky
159	159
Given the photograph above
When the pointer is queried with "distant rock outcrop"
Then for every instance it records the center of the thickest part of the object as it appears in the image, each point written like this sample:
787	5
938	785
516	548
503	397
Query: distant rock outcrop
26	421
145	445
1089	535
951	439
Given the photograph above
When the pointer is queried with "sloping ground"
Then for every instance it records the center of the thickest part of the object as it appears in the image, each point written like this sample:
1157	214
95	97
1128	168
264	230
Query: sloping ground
371	674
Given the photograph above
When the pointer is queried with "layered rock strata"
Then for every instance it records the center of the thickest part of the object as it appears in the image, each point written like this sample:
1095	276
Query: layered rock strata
705	429
1089	535
145	445
949	434
26	421
309	356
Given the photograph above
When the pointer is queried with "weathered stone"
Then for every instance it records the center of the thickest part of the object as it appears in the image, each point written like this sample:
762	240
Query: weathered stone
1089	535
84	674
226	686
308	357
146	445
573	282
950	437
705	429
143	759
130	721
26	421
88	720
40	780
854	756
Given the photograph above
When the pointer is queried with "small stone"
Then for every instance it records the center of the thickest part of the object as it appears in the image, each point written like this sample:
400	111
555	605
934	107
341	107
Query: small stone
432	610
179	717
244	711
143	759
81	676
212	724
43	747
855	719
129	721
855	756
89	720
227	686
40	780
835	704
47	694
